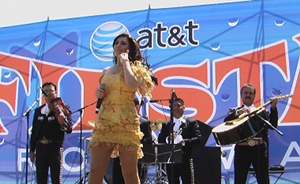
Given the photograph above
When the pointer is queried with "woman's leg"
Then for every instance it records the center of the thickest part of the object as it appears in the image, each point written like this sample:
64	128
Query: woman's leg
99	160
129	163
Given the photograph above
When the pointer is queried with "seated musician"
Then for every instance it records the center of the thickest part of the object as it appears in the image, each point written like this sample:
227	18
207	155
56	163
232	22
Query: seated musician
117	177
252	151
188	134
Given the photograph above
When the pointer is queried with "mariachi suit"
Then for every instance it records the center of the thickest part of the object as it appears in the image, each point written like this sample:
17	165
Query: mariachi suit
47	141
192	137
143	171
257	155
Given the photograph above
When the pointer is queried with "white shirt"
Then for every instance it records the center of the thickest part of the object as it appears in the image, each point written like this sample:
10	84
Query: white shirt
154	137
252	107
178	123
45	110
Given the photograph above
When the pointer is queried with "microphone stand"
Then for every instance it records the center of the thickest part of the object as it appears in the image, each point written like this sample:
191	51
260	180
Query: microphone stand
171	131
27	113
80	140
266	122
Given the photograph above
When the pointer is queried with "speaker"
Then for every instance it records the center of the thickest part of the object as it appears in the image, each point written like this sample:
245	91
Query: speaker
207	165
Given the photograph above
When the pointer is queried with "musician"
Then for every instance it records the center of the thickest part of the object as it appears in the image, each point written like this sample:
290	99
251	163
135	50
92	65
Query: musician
146	139
49	125
189	136
254	150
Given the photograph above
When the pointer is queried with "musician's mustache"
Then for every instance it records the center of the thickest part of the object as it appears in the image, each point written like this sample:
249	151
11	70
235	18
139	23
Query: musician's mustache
248	97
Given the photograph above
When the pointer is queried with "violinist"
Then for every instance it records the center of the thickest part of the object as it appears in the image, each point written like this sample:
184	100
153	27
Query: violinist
50	123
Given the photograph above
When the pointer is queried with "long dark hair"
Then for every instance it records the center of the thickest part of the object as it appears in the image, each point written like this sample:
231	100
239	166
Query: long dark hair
134	52
134	49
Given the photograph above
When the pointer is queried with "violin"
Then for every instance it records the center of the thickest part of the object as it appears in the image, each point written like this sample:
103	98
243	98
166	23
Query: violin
57	105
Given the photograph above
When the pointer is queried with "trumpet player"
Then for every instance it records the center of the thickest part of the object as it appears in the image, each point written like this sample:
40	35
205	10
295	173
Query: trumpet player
186	132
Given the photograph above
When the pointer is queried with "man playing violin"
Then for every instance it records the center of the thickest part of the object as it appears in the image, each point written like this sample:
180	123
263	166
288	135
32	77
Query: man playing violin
254	150
50	123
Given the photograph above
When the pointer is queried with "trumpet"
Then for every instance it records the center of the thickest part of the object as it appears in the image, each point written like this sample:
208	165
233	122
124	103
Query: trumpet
177	137
156	124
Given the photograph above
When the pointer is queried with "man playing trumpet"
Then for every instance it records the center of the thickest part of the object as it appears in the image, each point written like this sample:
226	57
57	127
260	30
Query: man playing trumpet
186	132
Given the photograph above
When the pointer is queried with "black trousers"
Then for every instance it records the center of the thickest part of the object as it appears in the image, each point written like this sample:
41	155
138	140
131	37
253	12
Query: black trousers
247	155
181	170
49	156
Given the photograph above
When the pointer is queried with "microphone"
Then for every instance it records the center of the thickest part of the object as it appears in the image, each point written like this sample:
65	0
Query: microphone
153	101
174	96
102	86
158	100
43	92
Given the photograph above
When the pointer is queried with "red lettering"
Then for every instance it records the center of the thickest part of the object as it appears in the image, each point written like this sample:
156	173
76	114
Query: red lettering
293	108
247	66
8	95
195	95
8	92
90	81
20	65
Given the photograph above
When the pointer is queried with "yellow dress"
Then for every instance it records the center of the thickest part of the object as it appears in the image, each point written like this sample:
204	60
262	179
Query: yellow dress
117	120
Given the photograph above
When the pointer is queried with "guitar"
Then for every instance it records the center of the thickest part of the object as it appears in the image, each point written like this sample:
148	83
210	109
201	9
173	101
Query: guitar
243	127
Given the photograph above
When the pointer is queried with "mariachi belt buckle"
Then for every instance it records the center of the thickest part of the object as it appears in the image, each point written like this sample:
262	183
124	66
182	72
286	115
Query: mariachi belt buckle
251	142
44	141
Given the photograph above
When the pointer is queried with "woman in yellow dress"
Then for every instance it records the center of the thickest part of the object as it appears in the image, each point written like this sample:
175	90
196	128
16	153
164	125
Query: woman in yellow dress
117	130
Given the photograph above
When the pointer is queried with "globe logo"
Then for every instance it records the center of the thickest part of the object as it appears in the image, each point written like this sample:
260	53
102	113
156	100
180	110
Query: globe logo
102	39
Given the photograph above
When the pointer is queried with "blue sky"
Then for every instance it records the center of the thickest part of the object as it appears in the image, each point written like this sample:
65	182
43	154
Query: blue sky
16	12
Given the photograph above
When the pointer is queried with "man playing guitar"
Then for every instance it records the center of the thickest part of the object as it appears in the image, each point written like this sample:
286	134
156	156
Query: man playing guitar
253	150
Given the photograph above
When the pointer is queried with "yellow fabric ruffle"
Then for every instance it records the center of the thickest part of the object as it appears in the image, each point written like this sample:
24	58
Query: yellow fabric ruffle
117	123
144	74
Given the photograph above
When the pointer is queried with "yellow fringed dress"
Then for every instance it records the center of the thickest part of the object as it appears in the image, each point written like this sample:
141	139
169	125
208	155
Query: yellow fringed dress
117	120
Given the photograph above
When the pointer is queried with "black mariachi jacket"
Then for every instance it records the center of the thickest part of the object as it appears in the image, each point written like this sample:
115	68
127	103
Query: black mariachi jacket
56	134
271	116
146	129
190	134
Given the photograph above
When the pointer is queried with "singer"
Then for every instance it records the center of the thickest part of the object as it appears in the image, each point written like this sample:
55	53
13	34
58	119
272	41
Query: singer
48	133
117	128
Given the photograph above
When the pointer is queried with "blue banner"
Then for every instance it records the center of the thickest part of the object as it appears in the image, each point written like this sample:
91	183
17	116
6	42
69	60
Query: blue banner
204	53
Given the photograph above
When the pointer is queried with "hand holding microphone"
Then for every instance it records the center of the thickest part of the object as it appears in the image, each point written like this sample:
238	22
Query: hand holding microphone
99	91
